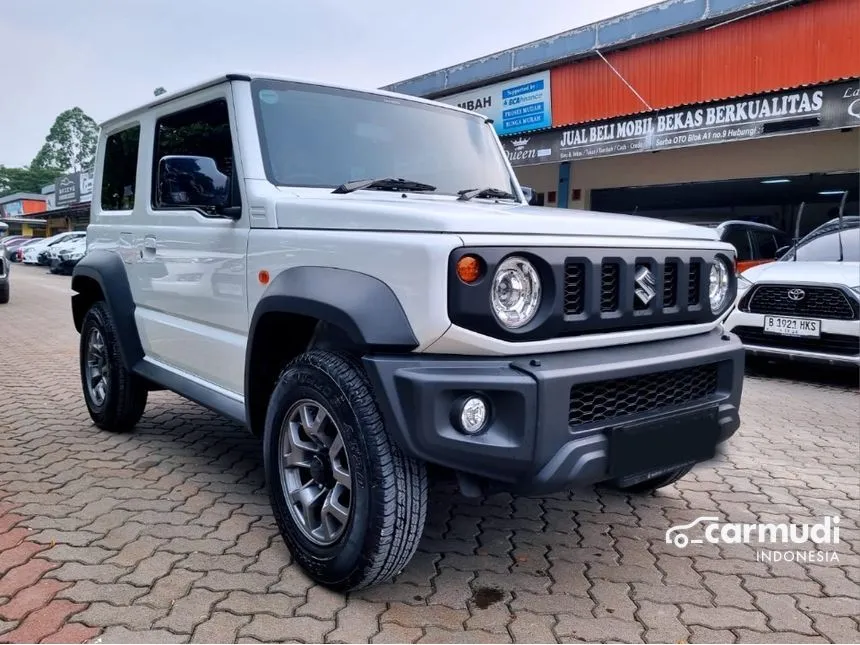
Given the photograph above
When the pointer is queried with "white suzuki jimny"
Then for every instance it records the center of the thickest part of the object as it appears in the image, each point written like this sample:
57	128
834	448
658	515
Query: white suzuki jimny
358	279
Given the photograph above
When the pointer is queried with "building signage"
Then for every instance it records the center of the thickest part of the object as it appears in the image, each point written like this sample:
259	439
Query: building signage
67	190
804	110
73	188
517	105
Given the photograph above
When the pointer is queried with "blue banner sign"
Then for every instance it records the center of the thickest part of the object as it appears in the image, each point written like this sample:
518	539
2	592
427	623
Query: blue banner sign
518	105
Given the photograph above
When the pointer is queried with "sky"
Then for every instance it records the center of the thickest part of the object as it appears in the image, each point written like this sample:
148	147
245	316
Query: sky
107	56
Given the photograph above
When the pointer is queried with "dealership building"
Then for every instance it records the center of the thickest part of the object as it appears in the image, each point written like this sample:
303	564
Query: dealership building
691	110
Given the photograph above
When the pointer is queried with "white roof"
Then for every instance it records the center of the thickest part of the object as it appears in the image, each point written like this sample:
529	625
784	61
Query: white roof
249	76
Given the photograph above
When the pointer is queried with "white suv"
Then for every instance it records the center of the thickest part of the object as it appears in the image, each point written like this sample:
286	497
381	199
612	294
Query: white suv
356	277
806	306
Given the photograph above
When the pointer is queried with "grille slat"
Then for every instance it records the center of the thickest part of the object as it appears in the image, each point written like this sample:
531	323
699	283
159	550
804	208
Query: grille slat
694	288
574	288
670	284
609	286
820	302
602	400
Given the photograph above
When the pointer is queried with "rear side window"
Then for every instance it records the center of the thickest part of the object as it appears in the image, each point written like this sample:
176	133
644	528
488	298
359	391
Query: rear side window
766	243
739	239
120	170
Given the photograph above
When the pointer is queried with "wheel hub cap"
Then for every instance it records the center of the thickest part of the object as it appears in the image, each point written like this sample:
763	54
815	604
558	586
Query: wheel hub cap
315	474
97	376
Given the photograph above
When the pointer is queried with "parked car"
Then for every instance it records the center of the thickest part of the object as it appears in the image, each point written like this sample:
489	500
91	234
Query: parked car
387	323
11	245
18	255
69	256
806	306
755	243
5	266
33	252
52	252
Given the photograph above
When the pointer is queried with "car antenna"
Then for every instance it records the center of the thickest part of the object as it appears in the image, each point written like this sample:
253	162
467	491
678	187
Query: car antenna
839	233
797	228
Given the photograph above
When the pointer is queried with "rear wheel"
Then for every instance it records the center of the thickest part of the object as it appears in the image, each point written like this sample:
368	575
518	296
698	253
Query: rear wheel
349	504
115	397
4	292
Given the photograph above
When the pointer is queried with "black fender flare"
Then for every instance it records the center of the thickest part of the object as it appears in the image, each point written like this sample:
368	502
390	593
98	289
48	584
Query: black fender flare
107	270
363	307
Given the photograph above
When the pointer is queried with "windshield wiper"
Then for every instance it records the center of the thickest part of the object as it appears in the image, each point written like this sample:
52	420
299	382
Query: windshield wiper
387	183
470	193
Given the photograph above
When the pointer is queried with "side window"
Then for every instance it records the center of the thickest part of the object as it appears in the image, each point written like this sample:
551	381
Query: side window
202	131
739	239
120	170
766	244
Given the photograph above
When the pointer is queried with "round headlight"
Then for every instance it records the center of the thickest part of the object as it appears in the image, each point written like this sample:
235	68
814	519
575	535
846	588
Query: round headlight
718	288
515	296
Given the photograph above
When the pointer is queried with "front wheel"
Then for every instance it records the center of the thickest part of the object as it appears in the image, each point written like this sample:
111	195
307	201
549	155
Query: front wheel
349	504
115	397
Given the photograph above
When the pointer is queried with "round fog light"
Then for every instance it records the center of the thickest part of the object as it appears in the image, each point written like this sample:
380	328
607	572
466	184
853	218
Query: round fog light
471	415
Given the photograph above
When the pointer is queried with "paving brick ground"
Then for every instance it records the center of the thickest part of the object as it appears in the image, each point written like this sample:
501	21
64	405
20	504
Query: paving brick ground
165	535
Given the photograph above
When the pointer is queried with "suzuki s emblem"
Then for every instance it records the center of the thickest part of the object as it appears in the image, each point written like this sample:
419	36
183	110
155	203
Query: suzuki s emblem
796	294
645	284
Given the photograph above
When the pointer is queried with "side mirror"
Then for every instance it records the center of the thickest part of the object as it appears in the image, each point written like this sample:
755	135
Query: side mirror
529	194
186	181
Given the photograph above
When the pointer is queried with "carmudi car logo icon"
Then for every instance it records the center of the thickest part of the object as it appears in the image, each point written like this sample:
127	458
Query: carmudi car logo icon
712	531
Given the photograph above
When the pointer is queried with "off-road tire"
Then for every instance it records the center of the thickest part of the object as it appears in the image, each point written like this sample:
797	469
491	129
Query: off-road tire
126	396
4	293
650	485
389	502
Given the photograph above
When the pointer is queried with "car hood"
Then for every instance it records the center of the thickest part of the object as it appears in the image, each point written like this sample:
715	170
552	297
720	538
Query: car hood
845	273
364	210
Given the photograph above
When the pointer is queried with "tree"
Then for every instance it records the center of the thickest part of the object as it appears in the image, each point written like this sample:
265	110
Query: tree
70	144
26	180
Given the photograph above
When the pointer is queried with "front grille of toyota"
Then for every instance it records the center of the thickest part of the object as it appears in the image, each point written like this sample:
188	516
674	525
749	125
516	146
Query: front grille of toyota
817	302
607	400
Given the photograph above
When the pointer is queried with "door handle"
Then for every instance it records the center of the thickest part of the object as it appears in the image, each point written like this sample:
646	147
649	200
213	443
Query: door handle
149	244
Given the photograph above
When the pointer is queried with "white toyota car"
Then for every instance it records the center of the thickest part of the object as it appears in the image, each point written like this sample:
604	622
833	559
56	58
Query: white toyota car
806	306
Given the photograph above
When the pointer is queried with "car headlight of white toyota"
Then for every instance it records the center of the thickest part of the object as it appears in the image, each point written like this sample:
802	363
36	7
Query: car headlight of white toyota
516	292
719	286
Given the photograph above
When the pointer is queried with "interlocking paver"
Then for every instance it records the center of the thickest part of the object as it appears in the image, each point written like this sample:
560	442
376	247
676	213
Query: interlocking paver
165	534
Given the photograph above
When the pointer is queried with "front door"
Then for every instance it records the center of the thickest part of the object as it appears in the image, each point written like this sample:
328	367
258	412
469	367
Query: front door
191	294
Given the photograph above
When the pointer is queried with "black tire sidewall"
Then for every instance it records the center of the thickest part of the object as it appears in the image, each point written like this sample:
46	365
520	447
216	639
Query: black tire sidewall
338	563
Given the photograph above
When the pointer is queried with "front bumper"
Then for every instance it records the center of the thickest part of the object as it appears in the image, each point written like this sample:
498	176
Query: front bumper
838	344
543	435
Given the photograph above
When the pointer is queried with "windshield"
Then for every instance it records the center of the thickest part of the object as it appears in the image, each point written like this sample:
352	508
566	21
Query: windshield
325	137
823	246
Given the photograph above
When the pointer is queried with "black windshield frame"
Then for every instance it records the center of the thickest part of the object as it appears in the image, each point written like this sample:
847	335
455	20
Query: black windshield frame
259	84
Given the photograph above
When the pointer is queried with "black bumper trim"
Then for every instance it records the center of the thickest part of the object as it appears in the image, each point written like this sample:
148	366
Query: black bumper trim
528	445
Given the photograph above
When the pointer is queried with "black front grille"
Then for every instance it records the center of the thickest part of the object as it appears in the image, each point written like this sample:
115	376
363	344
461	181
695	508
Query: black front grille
836	344
819	302
602	400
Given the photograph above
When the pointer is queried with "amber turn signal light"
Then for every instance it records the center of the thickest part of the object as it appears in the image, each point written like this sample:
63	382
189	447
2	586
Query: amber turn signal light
469	269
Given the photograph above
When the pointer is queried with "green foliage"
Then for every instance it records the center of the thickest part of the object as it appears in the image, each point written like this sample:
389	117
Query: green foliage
26	180
70	144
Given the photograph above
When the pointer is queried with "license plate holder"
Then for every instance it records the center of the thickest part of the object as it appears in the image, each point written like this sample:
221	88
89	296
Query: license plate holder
656	445
792	326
